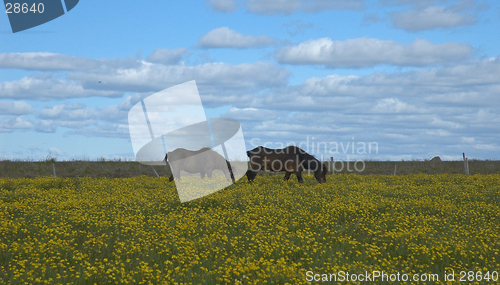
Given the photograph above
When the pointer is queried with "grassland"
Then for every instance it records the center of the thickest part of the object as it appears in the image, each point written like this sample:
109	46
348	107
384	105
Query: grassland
135	231
125	169
85	168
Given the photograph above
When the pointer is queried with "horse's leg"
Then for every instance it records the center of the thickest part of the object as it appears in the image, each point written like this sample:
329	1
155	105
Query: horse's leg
287	175
226	169
231	175
171	178
228	176
255	167
251	175
299	176
248	174
202	174
176	174
209	174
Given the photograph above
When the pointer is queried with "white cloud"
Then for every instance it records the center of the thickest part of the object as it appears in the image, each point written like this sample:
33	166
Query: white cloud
273	7
468	140
77	117
363	52
44	61
85	120
45	126
433	17
53	61
166	56
266	7
419	92
10	123
411	2
51	125
332	85
493	147
114	113
437	133
15	108
254	114
35	88
440	123
407	113
54	151
222	6
399	111
393	105
212	78
73	112
321	5
224	37
104	130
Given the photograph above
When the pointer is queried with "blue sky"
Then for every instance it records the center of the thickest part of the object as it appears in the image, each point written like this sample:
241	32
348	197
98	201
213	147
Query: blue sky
418	78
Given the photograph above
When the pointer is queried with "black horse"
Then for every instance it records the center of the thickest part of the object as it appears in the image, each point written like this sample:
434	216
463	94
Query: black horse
290	159
203	161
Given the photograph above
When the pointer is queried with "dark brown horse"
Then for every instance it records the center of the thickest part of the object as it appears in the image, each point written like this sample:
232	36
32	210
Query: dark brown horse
203	161
290	159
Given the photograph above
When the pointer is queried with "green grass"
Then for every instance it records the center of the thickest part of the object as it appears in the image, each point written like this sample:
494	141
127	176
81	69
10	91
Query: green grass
123	169
111	169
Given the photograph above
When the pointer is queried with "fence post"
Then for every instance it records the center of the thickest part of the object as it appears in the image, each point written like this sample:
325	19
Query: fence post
332	165
466	164
395	165
54	170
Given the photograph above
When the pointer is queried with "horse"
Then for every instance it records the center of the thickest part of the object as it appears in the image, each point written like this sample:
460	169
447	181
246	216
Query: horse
203	161
290	159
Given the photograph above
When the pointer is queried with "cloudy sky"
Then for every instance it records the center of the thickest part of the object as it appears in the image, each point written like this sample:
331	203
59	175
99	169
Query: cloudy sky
417	77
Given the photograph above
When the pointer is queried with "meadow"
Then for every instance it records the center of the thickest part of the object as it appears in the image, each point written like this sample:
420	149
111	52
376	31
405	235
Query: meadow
124	169
135	230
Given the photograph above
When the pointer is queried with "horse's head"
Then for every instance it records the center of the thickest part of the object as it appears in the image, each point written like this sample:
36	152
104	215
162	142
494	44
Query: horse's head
320	174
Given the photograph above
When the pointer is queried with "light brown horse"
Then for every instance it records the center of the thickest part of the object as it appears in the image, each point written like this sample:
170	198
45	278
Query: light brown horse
290	159
203	161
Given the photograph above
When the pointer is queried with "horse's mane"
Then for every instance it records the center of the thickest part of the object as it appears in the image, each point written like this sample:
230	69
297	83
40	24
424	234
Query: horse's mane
259	149
201	150
186	153
307	158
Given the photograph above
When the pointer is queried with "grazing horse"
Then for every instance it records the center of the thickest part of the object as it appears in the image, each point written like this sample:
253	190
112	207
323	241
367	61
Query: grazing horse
203	161
290	159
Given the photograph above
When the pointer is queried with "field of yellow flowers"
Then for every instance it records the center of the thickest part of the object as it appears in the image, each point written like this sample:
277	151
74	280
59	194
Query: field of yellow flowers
135	230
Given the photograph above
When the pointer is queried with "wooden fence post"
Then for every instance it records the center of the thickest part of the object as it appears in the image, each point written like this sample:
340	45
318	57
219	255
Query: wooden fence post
332	165
466	164
54	170
395	165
